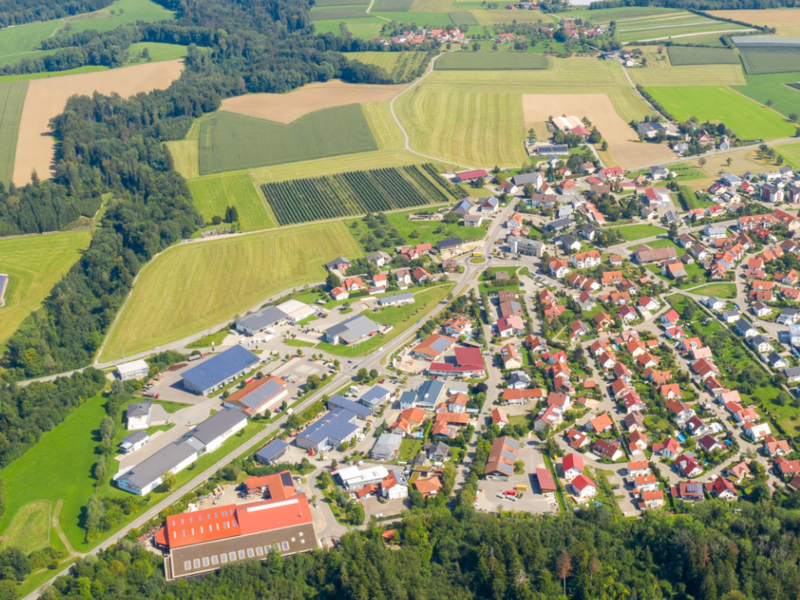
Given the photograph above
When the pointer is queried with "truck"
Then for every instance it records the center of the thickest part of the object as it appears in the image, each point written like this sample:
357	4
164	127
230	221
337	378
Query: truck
152	395
196	357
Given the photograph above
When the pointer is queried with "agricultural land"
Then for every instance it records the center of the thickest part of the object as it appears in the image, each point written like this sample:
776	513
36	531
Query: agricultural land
12	99
214	193
398	65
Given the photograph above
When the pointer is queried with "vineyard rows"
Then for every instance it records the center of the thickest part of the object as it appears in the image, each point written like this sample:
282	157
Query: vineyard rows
355	193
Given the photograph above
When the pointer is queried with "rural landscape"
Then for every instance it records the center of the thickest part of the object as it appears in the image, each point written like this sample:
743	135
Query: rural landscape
409	298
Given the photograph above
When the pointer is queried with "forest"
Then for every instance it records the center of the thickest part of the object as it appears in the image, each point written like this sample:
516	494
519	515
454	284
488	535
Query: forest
16	12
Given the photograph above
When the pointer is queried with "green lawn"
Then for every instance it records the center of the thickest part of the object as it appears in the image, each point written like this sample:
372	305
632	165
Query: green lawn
748	119
214	193
207	340
720	290
638	232
12	99
158	52
392	315
299	343
791	154
409	449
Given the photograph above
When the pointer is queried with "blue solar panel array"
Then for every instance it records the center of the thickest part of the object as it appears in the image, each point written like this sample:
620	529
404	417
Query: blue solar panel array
335	424
354	407
441	344
271	450
219	368
374	396
261	394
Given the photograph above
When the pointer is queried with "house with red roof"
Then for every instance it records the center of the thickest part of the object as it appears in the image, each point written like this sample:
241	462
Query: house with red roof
669	448
583	487
572	466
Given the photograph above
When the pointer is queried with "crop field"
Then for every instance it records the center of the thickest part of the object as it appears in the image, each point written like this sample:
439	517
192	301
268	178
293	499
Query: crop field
126	11
748	119
422	19
791	154
359	192
229	142
398	65
643	31
494	17
622	15
35	264
287	108
683	55
623	141
463	17
774	89
340	13
763	61
328	3
47	97
30	528
431	5
491	61
195	286
383	126
689	75
157	50
363	29
785	20
392	5
468	125
12	99
214	193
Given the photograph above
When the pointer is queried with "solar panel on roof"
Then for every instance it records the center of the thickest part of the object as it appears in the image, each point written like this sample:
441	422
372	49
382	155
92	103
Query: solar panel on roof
271	450
508	455
261	394
505	468
441	344
354	407
512	442
286	479
220	367
374	394
335	424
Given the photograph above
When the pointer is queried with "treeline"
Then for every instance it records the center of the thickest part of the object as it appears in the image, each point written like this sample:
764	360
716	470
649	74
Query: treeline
16	12
29	411
43	206
654	103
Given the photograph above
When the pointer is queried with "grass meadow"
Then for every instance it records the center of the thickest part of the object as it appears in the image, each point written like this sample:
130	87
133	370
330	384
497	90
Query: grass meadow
157	50
791	154
214	193
645	30
759	61
12	99
397	65
29	530
689	75
491	61
185	157
774	89
340	13
195	286
383	126
683	55
35	264
749	120
121	12
364	29
22	41
230	142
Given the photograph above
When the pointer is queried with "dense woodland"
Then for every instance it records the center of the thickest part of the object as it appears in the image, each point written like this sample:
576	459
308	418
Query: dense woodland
16	12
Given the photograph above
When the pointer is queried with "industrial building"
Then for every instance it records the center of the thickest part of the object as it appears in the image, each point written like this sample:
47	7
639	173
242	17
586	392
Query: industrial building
334	428
425	397
396	299
219	370
352	331
135	369
272	452
258	396
296	310
374	397
261	320
354	478
361	410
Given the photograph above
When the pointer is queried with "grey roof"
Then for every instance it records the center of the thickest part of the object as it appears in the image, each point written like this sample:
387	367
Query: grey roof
463	207
165	459
271	450
337	424
774	357
519	376
387	444
136	436
408	398
792	372
337	401
216	425
437	449
140	409
262	394
524	178
396	298
568	240
264	318
220	367
441	344
336	262
374	395
744	325
353	328
429	392
729	314
449	243
559	223
789	312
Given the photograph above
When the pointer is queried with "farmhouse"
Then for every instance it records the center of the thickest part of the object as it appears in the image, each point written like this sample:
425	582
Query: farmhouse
219	370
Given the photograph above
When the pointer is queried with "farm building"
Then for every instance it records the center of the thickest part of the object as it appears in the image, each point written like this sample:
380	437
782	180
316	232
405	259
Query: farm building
396	299
204	540
135	369
260	321
258	396
272	452
219	370
333	429
468	176
352	331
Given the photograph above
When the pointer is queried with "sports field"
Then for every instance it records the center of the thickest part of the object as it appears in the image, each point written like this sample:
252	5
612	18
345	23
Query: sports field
622	139
689	75
774	89
785	20
287	108
684	55
398	65
491	61
230	142
46	98
748	119
35	264
214	193
198	285
12	99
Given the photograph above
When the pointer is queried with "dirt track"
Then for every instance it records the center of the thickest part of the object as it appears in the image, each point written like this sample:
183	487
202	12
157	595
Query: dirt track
285	108
622	139
46	98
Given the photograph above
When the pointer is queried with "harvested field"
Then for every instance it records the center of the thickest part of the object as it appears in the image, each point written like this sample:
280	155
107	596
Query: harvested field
491	61
195	286
622	139
285	108
12	99
383	126
689	75
46	98
785	20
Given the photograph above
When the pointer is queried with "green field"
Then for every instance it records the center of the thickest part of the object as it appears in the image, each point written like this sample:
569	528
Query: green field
383	126
398	65
63	458
424	229
158	52
763	61
229	141
49	74
327	3
491	61
705	75
30	528
340	13
22	41
720	290
359	192
749	120
682	55
463	17
198	285
185	157
652	29
35	264
12	99
773	88
121	12
392	5
639	232
791	154
622	15
214	193
364	29
421	19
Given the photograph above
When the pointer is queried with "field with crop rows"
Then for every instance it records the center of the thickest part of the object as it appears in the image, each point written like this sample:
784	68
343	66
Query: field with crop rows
689	75
229	142
328	3
684	55
764	61
491	61
463	17
214	193
748	119
359	192
398	65
773	89
12	99
621	15
392	5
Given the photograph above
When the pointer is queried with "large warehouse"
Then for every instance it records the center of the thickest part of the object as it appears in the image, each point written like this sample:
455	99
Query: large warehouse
219	370
352	331
261	320
258	396
202	541
333	429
